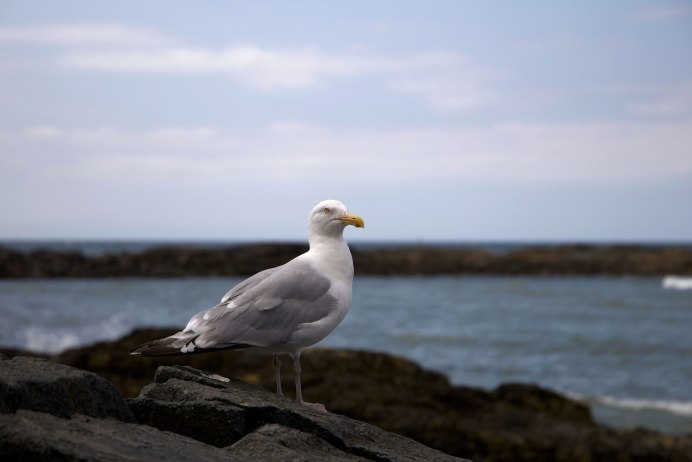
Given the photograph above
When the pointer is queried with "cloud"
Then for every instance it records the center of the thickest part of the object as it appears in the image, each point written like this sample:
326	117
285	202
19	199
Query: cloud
40	132
100	180
108	136
445	81
253	66
84	35
293	153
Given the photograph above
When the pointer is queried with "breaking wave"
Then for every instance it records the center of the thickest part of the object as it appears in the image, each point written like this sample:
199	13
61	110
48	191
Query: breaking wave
683	408
53	340
677	282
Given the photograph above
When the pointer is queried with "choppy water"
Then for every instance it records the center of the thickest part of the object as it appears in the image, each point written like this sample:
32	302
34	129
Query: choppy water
623	345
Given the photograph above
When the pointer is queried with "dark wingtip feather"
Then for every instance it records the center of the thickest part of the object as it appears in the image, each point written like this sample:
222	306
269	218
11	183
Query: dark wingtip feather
161	347
166	347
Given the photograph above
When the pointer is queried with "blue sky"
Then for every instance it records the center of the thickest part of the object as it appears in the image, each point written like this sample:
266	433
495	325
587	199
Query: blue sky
437	120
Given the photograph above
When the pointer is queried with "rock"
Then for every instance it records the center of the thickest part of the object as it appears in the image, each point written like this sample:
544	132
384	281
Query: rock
166	261
37	436
189	415
538	260
40	385
278	443
543	401
178	390
515	422
176	261
191	410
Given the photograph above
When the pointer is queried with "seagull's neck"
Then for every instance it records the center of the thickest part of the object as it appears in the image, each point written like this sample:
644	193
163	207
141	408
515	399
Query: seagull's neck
327	242
331	251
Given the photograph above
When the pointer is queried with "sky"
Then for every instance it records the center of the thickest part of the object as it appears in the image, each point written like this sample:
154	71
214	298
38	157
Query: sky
434	121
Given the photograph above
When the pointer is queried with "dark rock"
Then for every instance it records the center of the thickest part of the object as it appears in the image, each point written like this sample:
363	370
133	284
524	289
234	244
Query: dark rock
252	408
40	385
278	443
543	401
176	261
191	411
15	264
171	261
184	410
539	260
36	436
512	423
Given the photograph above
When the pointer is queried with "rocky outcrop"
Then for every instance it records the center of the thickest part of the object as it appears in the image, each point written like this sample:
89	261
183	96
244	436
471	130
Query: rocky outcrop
515	422
164	261
184	415
413	260
539	260
37	384
37	436
185	396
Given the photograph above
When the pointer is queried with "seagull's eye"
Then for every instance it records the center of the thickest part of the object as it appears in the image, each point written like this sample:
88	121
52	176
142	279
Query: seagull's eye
326	210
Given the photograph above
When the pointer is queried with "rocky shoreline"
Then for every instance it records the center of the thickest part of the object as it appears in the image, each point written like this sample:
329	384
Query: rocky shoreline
177	261
515	422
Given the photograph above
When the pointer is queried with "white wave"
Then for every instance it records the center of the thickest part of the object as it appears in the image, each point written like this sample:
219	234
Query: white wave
683	408
677	282
47	339
43	340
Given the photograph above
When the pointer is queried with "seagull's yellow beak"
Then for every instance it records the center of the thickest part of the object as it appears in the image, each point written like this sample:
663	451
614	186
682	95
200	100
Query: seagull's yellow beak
354	220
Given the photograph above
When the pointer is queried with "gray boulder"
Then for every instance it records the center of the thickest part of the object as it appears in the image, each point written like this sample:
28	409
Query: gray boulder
40	385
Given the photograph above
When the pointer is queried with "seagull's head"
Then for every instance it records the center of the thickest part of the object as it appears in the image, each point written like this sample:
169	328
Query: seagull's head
330	217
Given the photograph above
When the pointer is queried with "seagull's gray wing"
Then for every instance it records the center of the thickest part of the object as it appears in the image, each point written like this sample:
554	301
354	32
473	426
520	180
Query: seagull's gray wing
265	310
248	284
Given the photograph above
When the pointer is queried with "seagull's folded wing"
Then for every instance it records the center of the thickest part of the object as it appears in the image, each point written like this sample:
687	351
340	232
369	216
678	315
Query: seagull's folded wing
265	310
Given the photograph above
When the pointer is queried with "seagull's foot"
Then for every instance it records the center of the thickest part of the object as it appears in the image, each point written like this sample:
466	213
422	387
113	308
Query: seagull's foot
217	377
316	407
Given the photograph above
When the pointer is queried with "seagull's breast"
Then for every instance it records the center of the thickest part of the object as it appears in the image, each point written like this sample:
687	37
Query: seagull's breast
333	260
337	266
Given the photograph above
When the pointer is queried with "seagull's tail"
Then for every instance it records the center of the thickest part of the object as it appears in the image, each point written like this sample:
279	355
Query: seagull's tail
182	343
175	345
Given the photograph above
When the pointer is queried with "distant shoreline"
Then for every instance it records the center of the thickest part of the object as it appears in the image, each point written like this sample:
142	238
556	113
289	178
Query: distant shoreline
94	247
210	259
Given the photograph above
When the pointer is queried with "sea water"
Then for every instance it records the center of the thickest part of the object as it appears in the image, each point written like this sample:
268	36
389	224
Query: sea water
621	344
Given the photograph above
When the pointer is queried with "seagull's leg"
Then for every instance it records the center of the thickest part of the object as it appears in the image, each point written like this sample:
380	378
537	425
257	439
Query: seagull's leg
299	391
296	374
277	375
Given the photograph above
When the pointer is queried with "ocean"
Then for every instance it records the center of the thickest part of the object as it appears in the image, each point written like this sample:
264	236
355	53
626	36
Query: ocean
623	345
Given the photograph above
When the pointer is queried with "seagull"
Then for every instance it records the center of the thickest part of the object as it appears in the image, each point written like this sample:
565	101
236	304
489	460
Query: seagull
279	310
